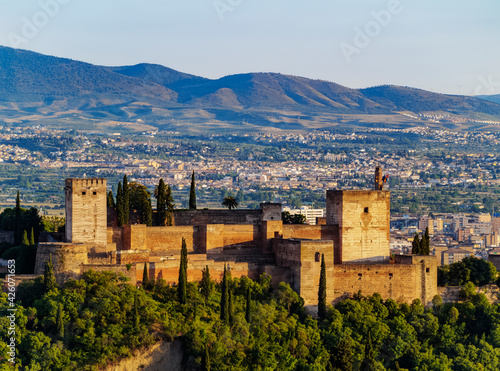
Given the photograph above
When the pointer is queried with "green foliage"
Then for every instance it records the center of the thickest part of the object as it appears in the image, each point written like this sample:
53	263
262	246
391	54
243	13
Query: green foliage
322	290
145	276
224	299
120	211
125	200
230	203
49	278
192	194
140	200
471	269
161	204
206	284
110	201
293	219
182	281
248	306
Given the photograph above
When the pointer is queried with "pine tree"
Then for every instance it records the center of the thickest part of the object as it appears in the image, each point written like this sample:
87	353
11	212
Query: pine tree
161	204
182	284
205	360
224	300
60	322
415	245
110	201
49	278
170	205
369	363
119	205
248	306
192	194
206	284
126	200
146	209
145	277
32	237
18	231
343	356
322	290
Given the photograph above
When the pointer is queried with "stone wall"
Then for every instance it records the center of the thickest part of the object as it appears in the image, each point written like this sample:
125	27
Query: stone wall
128	271
218	216
7	236
414	278
168	269
238	238
67	259
86	212
364	224
303	260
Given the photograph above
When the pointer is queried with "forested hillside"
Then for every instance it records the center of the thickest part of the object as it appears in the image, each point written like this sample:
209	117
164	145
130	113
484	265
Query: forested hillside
90	323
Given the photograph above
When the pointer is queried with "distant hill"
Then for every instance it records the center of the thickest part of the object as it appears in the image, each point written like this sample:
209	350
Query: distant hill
38	87
491	98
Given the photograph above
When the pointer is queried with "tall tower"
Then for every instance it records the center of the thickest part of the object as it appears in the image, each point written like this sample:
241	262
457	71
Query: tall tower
86	212
364	225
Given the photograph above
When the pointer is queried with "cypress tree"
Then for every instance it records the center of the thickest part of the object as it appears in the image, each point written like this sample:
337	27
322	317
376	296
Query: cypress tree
205	360
18	231
182	284
25	241
32	237
230	306
206	284
49	278
415	245
110	201
169	200
426	249
161	204
119	205
126	200
192	194
322	290
145	276
248	304
224	300
136	312
60	322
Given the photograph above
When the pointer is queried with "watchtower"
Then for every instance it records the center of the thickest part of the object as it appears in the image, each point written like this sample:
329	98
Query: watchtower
86	213
364	225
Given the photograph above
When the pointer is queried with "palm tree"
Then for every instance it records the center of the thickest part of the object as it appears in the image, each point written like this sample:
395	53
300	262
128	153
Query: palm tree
230	203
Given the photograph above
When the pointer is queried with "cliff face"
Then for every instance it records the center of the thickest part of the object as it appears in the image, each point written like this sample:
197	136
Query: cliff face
162	356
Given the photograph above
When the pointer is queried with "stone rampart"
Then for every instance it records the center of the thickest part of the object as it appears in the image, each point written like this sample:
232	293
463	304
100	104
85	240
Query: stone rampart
67	259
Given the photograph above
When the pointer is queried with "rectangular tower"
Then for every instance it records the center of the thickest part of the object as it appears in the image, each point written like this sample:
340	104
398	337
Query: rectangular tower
86	212
363	218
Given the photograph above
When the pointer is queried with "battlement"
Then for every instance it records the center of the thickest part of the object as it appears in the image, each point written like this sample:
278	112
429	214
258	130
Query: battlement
86	212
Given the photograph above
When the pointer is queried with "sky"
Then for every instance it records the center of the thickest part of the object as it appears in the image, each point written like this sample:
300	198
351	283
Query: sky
446	46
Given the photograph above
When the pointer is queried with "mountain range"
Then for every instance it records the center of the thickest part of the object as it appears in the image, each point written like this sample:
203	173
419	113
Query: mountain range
46	89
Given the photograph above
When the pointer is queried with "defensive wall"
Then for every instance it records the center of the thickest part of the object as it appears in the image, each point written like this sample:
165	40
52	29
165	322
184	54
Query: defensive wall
303	259
411	277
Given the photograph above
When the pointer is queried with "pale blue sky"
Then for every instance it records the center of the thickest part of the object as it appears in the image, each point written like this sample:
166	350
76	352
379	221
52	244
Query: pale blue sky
448	46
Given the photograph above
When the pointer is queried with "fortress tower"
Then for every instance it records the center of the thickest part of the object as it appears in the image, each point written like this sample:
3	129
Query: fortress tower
86	214
363	218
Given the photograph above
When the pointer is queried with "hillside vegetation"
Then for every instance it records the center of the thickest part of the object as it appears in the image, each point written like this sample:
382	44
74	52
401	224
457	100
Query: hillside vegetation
90	323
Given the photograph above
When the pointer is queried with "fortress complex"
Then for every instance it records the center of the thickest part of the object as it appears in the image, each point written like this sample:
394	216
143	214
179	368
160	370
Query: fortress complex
353	237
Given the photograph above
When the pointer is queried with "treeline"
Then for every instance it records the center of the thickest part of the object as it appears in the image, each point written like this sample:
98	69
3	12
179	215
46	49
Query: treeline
26	225
240	324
